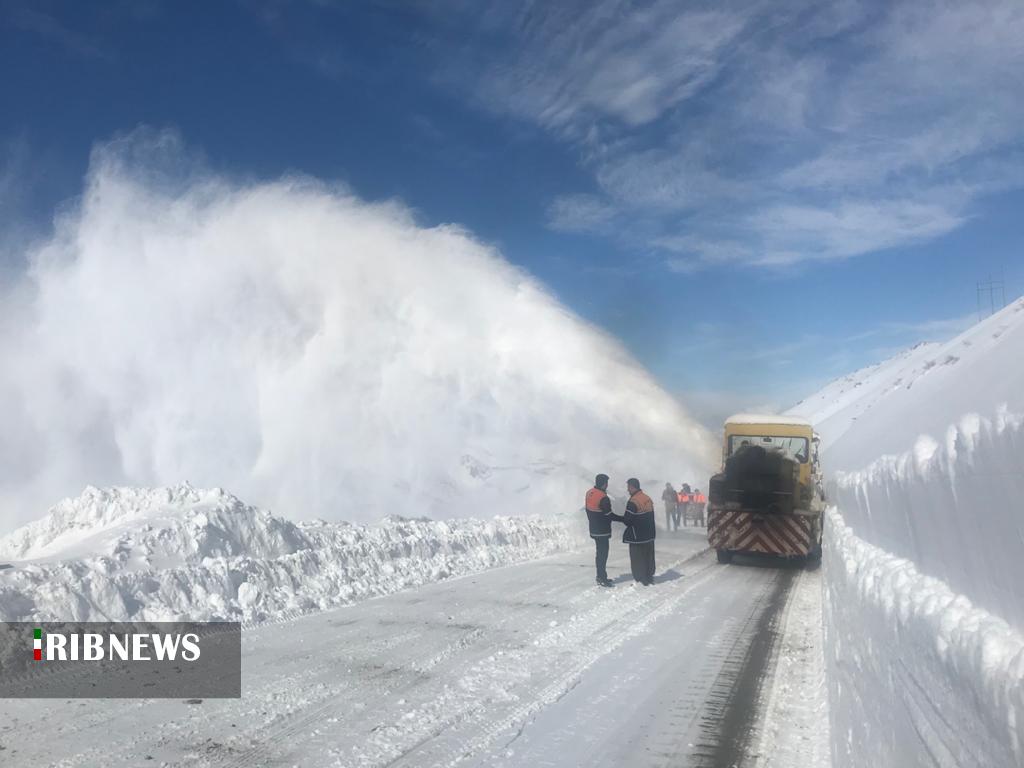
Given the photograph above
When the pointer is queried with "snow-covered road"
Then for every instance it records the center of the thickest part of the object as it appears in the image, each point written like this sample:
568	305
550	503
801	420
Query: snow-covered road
525	665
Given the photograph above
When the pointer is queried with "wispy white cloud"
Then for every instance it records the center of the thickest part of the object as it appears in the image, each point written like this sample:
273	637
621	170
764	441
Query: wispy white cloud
580	213
48	28
691	252
571	66
939	86
769	134
667	179
791	233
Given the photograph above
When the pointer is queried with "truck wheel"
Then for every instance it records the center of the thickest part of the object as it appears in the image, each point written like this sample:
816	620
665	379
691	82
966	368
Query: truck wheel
724	555
813	561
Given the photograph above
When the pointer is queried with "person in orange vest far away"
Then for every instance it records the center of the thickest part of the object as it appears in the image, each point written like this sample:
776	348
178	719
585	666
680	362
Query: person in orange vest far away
685	497
671	500
639	534
699	502
599	518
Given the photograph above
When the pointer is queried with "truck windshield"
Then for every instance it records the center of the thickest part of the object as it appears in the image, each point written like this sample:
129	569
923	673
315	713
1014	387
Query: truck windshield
793	447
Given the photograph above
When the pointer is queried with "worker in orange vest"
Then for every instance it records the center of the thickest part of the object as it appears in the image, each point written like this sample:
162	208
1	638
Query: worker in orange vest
683	507
599	519
700	502
639	534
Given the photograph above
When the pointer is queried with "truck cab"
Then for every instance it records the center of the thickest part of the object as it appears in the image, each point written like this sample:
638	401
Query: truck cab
767	497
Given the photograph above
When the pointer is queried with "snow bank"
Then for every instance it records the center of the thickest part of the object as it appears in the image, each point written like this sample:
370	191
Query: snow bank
318	354
795	729
180	553
919	676
953	505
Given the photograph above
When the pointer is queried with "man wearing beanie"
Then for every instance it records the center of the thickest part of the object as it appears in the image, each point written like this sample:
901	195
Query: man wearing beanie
599	517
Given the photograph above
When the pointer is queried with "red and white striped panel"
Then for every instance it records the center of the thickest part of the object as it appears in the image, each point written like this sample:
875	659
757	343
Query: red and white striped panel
721	523
748	532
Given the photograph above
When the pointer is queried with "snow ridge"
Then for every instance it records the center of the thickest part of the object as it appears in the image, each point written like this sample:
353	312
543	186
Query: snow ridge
881	409
853	395
176	522
174	554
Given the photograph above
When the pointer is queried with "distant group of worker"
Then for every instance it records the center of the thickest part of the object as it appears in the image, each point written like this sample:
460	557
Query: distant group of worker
639	521
685	504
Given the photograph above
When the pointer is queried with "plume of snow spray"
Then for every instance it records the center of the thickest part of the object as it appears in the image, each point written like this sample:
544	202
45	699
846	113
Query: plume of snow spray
309	351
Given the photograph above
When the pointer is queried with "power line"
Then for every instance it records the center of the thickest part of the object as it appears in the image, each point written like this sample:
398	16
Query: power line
992	287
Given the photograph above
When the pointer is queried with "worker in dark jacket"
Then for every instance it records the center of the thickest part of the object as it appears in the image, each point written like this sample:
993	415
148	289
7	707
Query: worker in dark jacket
599	517
639	534
671	501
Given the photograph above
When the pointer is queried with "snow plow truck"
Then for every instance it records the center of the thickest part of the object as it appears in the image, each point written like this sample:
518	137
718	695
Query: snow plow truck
768	497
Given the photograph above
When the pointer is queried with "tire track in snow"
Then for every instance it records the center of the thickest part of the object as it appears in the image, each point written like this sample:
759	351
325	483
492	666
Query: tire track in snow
734	706
450	708
605	640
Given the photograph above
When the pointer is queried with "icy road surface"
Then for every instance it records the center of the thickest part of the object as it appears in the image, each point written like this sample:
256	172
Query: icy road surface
525	665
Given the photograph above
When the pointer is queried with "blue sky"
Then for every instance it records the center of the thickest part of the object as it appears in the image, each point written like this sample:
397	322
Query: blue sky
754	197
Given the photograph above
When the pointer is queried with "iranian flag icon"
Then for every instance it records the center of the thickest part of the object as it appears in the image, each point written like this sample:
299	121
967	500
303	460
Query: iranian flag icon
37	644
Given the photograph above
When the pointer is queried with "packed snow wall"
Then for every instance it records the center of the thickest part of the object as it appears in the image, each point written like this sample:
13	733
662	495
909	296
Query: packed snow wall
954	508
918	676
926	659
924	555
317	354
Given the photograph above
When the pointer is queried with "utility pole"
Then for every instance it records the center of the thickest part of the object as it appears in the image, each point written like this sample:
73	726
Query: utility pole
992	287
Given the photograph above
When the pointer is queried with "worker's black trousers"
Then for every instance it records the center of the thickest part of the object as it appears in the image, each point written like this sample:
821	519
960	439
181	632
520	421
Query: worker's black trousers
641	562
601	560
